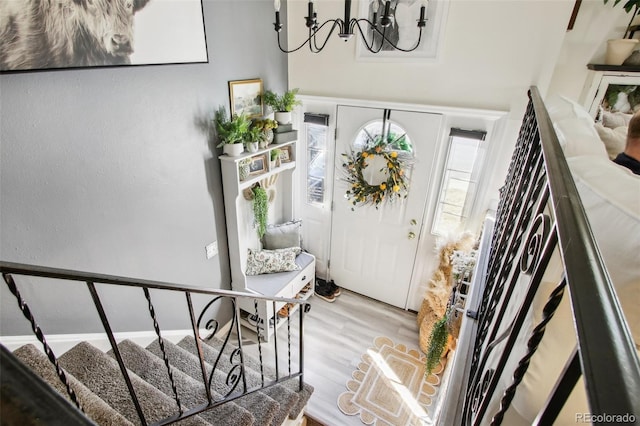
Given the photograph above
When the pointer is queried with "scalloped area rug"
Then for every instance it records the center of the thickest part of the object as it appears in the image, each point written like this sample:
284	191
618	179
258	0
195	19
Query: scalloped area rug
389	387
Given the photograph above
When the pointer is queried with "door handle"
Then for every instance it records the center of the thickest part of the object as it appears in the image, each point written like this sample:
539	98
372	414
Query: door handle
411	235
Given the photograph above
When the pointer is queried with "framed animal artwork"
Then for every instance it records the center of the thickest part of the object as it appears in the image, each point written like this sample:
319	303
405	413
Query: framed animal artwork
62	34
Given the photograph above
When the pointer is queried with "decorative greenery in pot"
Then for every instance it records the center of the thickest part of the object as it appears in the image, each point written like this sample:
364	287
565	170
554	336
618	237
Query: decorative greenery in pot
619	49
266	127
260	208
231	132
282	105
275	156
253	138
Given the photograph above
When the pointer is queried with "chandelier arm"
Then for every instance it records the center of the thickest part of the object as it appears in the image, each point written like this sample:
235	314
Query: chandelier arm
356	23
336	22
393	44
308	40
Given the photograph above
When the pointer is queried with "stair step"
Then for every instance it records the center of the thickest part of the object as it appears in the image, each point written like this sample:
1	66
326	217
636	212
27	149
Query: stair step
191	392
293	384
263	407
101	373
285	397
92	405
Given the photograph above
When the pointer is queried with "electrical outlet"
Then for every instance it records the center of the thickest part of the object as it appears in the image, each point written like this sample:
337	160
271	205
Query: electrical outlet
212	249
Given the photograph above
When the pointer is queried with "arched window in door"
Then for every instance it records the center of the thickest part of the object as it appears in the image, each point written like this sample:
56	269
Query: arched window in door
376	131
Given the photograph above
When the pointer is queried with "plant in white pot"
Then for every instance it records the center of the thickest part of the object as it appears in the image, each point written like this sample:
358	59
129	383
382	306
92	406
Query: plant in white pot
231	132
282	105
621	48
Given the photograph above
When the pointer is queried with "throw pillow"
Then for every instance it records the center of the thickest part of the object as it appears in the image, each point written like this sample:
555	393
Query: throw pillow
614	139
615	119
283	235
272	261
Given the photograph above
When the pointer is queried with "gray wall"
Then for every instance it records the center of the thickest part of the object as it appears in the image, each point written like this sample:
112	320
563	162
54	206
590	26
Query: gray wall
115	171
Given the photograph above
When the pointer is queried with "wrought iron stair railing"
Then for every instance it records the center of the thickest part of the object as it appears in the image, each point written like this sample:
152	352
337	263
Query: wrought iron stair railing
236	383
540	216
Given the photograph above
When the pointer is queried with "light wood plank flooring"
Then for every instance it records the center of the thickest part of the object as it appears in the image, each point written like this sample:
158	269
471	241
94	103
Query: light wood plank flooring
336	336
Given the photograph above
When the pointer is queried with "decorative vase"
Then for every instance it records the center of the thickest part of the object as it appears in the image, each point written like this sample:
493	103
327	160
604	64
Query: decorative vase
252	147
243	170
264	143
269	136
619	49
284	117
233	149
272	164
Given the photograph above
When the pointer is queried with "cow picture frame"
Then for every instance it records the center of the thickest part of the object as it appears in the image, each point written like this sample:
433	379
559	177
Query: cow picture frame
136	34
245	96
258	165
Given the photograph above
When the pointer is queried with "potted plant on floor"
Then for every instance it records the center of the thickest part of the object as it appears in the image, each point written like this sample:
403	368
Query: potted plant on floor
620	49
282	105
231	132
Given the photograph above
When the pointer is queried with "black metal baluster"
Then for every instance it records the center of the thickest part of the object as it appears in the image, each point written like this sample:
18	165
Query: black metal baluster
24	308
289	339
116	350
568	378
532	346
196	338
236	311
165	358
265	325
275	341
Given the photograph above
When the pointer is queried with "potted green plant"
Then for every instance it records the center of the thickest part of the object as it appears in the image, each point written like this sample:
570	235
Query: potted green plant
231	131
253	138
282	105
274	157
266	127
621	48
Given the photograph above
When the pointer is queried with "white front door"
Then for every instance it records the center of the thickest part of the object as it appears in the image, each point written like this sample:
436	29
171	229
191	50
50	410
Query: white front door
373	250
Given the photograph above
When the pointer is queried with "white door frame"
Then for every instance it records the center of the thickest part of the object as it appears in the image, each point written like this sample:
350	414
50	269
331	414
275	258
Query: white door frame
491	121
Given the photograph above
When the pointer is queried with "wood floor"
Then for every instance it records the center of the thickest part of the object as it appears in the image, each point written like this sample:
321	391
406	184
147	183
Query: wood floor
336	336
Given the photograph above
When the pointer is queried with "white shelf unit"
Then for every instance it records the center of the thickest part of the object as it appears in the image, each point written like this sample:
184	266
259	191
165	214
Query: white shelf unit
242	234
597	82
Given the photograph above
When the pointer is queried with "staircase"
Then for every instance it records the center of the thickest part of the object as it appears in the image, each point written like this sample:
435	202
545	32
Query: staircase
196	381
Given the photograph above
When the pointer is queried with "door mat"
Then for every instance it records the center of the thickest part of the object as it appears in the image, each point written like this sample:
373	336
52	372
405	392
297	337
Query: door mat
389	387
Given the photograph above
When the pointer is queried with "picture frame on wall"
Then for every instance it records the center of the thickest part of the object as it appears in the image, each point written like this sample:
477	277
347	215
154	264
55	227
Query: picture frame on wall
286	155
119	36
403	31
245	96
258	165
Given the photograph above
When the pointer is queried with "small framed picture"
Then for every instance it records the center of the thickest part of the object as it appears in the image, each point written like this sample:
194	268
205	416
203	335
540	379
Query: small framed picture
245	96
286	154
258	165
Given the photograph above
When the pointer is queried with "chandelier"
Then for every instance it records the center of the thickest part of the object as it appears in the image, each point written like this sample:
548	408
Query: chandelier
378	30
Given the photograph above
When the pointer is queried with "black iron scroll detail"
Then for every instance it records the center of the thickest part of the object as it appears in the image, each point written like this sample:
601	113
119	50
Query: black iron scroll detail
165	358
532	346
534	244
236	372
24	308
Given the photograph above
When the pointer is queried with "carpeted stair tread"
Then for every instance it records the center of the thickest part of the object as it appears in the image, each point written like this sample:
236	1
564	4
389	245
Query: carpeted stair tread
263	407
94	407
191	392
101	373
286	398
293	384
